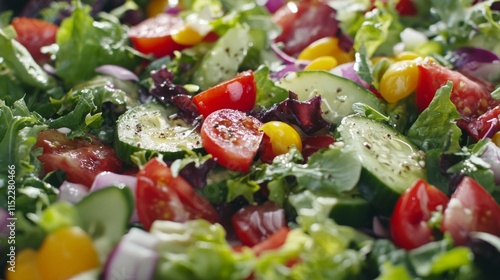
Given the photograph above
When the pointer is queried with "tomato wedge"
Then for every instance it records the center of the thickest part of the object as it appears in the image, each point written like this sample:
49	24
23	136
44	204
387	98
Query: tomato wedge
34	34
154	35
409	227
273	242
238	93
232	138
471	97
471	208
161	196
81	159
255	223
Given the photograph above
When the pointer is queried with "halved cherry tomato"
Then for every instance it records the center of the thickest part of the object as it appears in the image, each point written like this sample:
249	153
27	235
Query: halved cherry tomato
273	242
282	137
255	223
25	267
81	159
471	208
312	144
154	35
304	22
238	93
232	138
161	196
471	96
34	34
409	227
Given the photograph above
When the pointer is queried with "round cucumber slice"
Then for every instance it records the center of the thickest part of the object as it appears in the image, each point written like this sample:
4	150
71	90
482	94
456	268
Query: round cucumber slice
390	163
338	94
154	128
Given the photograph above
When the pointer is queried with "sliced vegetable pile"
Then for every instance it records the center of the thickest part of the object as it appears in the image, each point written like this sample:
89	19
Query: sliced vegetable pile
245	139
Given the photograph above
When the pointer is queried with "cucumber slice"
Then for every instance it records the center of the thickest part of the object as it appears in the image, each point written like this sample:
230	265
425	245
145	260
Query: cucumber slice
352	211
391	163
104	213
338	94
154	128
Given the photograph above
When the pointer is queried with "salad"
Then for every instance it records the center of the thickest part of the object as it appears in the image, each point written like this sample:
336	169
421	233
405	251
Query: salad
244	139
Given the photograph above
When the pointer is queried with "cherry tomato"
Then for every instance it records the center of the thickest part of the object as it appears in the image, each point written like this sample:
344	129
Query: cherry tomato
232	138
409	228
471	96
406	8
34	34
26	267
154	35
471	208
161	196
327	46
304	22
255	223
81	159
273	242
65	253
312	144
322	63
399	80
282	137
238	93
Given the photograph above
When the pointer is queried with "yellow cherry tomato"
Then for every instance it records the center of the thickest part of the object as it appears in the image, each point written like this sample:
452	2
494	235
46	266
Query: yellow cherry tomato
282	137
187	35
327	46
322	63
26	267
66	252
407	56
496	139
399	80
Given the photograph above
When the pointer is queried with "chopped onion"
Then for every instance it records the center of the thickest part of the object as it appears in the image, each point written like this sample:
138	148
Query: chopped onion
72	192
491	155
117	72
134	257
347	71
271	5
106	179
477	62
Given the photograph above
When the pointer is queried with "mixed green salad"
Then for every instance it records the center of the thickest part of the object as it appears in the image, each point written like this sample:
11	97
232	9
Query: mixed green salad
245	139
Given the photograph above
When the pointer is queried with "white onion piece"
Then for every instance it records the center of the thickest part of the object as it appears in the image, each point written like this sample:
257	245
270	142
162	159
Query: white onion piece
117	72
412	38
491	155
72	192
134	257
106	179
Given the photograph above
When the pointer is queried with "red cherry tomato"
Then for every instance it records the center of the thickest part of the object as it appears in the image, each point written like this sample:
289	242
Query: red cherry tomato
273	242
161	196
304	22
471	208
471	96
312	144
238	93
255	223
154	35
81	159
34	34
485	125
409	228
232	138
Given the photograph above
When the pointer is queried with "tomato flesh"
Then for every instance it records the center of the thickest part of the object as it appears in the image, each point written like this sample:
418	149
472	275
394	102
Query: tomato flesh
238	93
161	196
471	97
82	160
471	208
273	242
255	223
34	34
312	144
232	138
154	35
408	224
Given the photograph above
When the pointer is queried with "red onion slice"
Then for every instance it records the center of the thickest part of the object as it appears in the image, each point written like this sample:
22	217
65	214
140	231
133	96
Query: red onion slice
117	72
